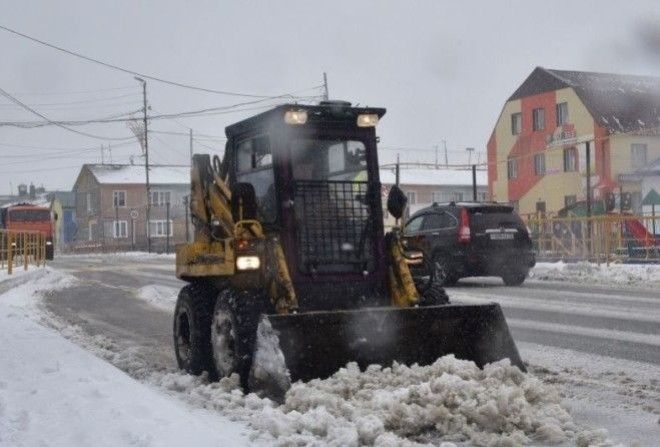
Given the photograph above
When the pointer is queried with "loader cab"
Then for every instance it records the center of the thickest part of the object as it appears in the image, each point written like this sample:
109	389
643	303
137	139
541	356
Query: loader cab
314	170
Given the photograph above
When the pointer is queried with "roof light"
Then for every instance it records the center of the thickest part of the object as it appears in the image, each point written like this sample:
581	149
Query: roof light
295	117
367	120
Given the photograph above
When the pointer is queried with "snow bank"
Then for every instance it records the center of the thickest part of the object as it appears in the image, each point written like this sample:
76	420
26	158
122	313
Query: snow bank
451	400
641	275
159	296
54	393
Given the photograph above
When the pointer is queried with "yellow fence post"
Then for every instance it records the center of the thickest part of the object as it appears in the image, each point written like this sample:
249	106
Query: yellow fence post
10	253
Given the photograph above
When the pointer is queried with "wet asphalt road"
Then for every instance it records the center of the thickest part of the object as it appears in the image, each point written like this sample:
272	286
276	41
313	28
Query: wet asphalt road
613	322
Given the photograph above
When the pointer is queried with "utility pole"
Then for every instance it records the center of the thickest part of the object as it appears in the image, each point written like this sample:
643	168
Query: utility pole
326	96
191	146
588	160
444	143
469	151
102	158
146	158
474	183
436	156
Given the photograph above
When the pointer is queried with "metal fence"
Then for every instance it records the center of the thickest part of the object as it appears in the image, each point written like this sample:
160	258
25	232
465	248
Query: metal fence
21	248
606	238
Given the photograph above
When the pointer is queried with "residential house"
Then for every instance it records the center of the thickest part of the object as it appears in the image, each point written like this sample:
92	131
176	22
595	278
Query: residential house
111	206
537	153
63	205
424	186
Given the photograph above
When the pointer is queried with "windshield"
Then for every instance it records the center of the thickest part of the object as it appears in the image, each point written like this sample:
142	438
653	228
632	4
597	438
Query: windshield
325	159
29	215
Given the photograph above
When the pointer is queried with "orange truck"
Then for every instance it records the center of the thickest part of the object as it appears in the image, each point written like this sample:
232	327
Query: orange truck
28	217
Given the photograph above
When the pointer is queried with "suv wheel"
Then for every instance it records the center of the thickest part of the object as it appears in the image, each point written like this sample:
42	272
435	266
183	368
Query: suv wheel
441	271
514	278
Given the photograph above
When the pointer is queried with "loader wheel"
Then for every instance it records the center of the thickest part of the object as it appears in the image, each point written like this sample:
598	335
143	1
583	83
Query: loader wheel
192	329
234	332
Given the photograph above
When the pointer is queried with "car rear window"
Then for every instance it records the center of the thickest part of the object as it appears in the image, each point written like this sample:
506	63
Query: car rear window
483	218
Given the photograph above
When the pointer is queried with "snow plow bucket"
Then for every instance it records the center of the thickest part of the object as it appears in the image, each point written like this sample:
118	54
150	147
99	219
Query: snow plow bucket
317	344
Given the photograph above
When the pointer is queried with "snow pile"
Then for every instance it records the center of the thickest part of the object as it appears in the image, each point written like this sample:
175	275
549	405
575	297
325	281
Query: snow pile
644	275
162	297
451	400
269	373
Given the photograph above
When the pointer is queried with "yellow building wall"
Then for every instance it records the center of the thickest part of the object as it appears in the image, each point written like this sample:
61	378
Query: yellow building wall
505	141
621	153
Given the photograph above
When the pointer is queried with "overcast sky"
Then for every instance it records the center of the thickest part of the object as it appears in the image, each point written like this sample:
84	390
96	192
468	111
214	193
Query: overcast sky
443	69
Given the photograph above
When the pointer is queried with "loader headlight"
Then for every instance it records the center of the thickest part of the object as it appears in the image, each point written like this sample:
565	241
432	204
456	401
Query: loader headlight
49	243
248	263
367	120
296	117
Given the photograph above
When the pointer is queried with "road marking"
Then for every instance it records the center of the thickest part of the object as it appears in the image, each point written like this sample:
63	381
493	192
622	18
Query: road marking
607	334
570	308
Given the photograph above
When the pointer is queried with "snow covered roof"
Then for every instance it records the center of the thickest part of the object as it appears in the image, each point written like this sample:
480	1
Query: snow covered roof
620	103
438	177
135	174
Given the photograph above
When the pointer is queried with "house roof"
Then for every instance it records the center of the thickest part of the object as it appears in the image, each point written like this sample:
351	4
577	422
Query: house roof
620	103
135	174
437	177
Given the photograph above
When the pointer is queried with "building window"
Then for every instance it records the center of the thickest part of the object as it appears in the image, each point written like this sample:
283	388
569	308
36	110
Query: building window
512	168
160	198
539	164
570	200
119	229
456	196
638	155
538	119
118	199
562	113
158	228
90	230
412	197
516	123
89	202
570	159
439	196
540	207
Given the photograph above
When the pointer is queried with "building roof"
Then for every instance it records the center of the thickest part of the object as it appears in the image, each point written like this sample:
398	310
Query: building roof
620	103
437	177
135	174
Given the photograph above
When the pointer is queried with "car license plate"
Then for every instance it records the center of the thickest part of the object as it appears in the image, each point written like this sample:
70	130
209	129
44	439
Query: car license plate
501	236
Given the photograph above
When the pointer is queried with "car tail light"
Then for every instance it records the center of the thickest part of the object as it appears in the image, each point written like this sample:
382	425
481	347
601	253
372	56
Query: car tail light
464	227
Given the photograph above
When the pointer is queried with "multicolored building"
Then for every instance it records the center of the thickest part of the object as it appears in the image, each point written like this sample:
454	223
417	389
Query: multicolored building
537	153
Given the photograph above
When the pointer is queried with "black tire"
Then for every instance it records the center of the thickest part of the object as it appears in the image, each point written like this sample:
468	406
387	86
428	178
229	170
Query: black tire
233	330
434	295
192	329
514	279
440	271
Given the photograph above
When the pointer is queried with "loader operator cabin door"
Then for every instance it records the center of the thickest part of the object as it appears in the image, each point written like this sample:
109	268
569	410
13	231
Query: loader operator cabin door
334	228
254	164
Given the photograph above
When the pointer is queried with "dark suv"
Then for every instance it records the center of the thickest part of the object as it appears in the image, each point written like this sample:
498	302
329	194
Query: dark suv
468	239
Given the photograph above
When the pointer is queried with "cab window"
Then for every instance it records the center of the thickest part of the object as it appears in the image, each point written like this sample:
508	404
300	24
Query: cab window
254	165
438	221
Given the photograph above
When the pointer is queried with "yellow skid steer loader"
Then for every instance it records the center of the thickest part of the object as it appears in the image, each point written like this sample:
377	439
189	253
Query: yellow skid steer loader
289	238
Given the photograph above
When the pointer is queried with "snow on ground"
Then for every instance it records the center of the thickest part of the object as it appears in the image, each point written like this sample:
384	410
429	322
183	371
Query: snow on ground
46	383
638	275
119	254
162	297
54	393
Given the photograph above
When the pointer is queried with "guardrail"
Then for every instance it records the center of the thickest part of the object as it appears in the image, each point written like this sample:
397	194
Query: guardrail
606	238
21	248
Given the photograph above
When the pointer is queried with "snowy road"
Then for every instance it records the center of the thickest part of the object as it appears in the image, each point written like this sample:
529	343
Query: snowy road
601	344
618	322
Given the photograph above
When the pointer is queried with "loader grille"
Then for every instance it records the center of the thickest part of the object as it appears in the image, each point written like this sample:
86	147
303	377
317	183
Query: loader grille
334	226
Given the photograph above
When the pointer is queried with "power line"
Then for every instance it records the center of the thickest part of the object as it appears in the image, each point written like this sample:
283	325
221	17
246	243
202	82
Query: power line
83	101
135	73
28	108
